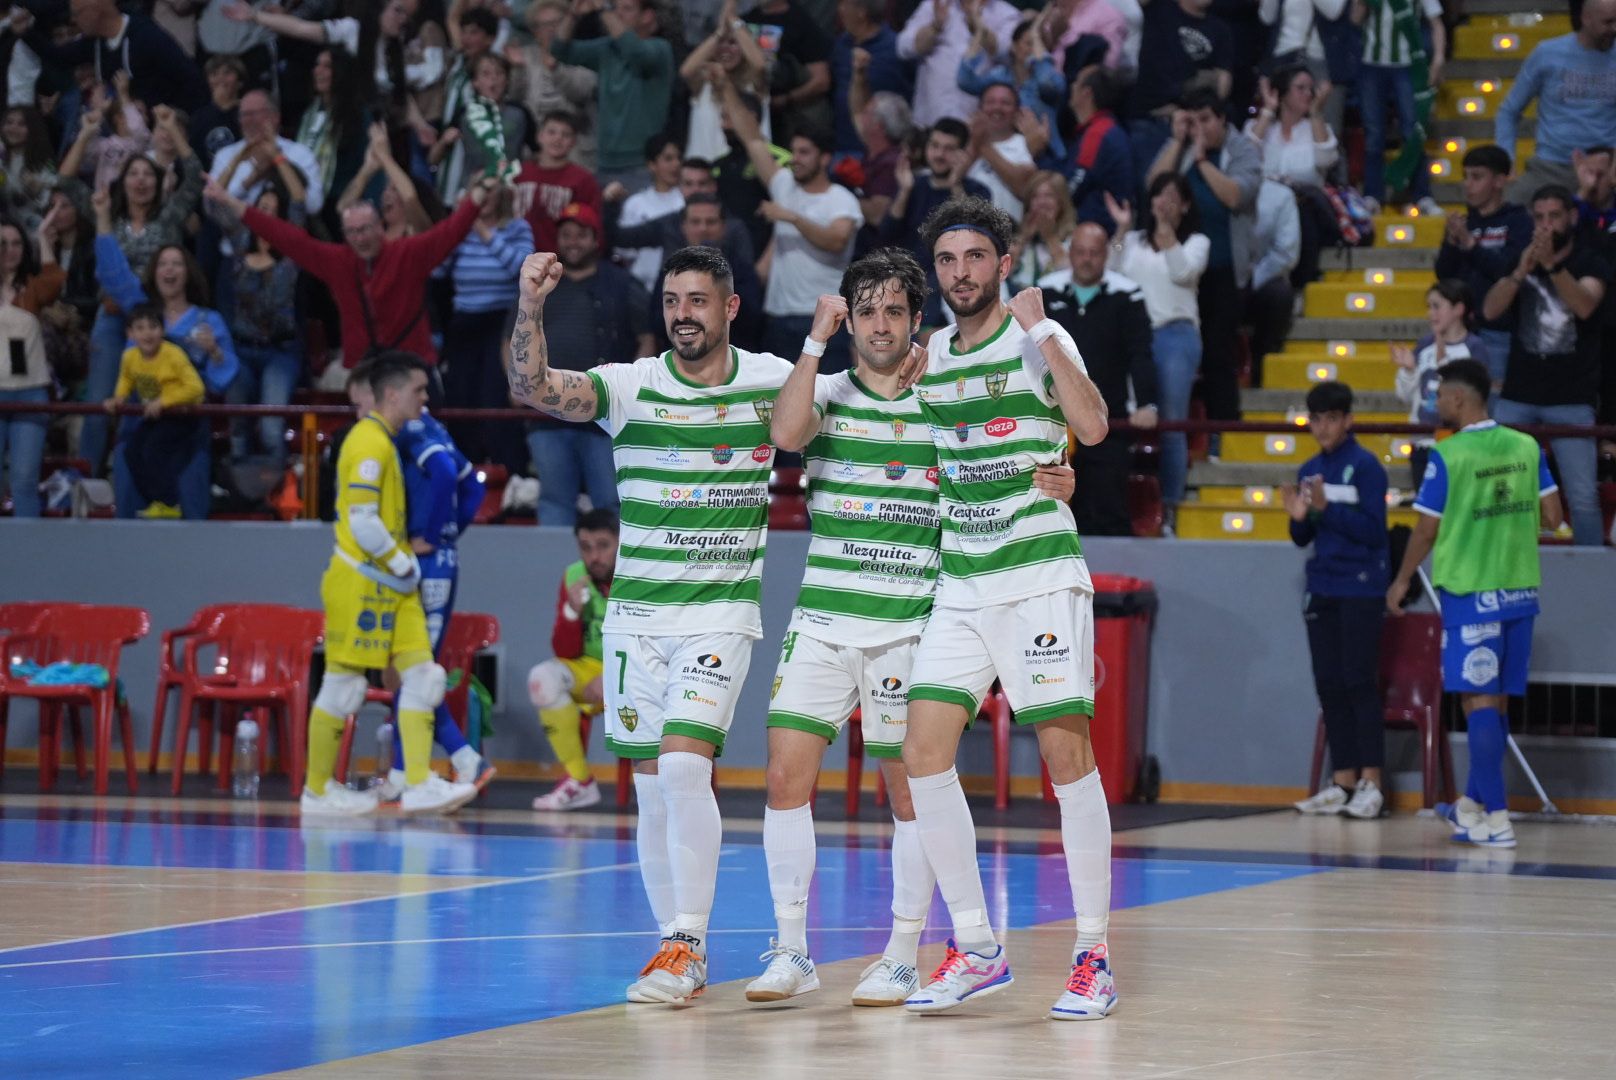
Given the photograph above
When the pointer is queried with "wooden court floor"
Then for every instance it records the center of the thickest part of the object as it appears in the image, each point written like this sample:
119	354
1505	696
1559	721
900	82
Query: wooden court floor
149	938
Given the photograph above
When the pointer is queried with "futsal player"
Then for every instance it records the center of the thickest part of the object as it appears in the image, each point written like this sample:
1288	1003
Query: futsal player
441	495
865	597
373	613
690	439
1486	493
1014	600
572	678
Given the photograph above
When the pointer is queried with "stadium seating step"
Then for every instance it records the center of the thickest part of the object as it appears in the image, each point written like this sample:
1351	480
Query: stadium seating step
1399	230
1480	129
1361	301
1393	258
1295	447
1200	522
1365	371
1361	330
1258	400
1507	35
1510	7
1372	277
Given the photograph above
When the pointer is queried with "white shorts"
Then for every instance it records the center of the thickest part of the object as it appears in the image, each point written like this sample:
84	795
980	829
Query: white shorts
656	686
817	685
1041	650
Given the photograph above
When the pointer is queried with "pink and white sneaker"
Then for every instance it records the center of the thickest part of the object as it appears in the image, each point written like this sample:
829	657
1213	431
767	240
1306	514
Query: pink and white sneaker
569	795
961	975
1091	992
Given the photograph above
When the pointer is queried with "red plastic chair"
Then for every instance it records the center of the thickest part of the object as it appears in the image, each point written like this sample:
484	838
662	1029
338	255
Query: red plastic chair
261	662
1411	697
173	676
468	634
83	634
15	619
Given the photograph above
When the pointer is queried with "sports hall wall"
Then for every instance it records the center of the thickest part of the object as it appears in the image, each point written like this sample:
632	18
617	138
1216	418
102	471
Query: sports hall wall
1231	697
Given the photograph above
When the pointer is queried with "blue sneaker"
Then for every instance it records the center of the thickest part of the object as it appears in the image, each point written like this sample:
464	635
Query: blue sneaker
961	975
1461	815
1091	992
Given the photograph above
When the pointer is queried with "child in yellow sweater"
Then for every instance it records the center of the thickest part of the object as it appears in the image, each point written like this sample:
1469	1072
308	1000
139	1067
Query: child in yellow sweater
161	375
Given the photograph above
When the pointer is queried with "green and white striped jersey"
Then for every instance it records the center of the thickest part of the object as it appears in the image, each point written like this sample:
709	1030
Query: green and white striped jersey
693	475
994	418
872	494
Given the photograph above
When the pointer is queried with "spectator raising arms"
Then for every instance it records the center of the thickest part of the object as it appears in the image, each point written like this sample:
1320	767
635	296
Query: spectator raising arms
30	165
141	222
546	85
1036	78
864	61
1046	229
735	51
938	35
636	81
1299	150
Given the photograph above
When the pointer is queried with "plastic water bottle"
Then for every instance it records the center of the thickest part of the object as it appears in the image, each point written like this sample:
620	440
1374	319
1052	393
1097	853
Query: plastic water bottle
384	753
244	783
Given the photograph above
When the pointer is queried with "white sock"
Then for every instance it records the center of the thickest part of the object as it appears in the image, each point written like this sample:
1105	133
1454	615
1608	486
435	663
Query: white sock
948	836
694	835
788	845
396	776
651	838
464	760
1086	837
913	882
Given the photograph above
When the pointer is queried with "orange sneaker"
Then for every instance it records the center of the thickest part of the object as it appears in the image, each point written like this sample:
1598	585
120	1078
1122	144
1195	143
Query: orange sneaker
674	975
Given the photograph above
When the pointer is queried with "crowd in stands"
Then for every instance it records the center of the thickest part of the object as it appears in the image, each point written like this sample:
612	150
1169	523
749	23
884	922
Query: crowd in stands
294	186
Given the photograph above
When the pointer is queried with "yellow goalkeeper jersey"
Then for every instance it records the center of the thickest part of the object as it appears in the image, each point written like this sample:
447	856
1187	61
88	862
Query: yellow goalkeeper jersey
368	473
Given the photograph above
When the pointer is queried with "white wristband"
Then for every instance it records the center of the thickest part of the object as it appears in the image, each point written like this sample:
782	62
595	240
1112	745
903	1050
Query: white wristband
1043	330
810	347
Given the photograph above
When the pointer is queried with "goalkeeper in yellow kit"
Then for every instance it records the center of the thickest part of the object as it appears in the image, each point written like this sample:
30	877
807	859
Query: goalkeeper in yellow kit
373	614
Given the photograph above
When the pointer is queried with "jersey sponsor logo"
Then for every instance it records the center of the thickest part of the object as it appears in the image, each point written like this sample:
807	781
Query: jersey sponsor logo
996	382
672	456
1046	650
978	521
891	684
1476	633
705	670
895	470
847	427
370	469
847	469
1480	666
932	473
854	508
762	453
693	695
981	472
662	413
962	431
711	661
764	409
999	426
368	621
629	718
1047	680
722	454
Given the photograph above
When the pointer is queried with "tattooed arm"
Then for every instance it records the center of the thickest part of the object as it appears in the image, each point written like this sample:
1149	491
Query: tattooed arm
565	395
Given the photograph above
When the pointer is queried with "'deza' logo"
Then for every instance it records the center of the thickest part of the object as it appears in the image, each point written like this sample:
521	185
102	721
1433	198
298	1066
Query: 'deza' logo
999	426
931	474
962	431
761	453
711	661
722	454
895	470
1045	641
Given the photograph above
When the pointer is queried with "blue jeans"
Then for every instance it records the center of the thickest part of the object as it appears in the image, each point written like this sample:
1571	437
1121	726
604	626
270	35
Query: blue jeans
195	480
108	339
269	374
572	458
1378	84
1178	357
22	448
1577	459
1497	345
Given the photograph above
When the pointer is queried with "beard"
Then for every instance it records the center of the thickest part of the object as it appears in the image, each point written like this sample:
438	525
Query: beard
973	307
882	362
697	347
1562	240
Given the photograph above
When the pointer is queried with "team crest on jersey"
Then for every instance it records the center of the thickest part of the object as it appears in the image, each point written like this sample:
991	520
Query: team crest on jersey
775	689
629	718
962	431
722	411
764	409
898	428
895	470
959	388
722	454
995	382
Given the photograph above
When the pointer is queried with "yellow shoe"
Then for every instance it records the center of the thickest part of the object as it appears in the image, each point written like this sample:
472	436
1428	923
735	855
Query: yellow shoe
159	510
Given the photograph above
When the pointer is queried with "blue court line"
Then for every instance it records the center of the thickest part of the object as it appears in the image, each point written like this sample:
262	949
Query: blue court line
244	996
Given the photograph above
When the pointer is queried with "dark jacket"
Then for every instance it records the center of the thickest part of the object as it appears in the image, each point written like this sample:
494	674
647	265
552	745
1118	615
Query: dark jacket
159	71
1500	239
1112	332
1103	162
1349	534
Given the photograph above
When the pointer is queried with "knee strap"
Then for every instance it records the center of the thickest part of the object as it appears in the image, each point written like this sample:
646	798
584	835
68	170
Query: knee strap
341	693
422	687
549	684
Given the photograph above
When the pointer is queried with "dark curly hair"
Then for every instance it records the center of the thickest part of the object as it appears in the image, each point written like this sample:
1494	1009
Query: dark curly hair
865	278
969	212
704	260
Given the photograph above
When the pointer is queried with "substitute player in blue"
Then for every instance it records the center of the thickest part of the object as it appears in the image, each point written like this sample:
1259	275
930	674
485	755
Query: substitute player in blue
442	494
1486	494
